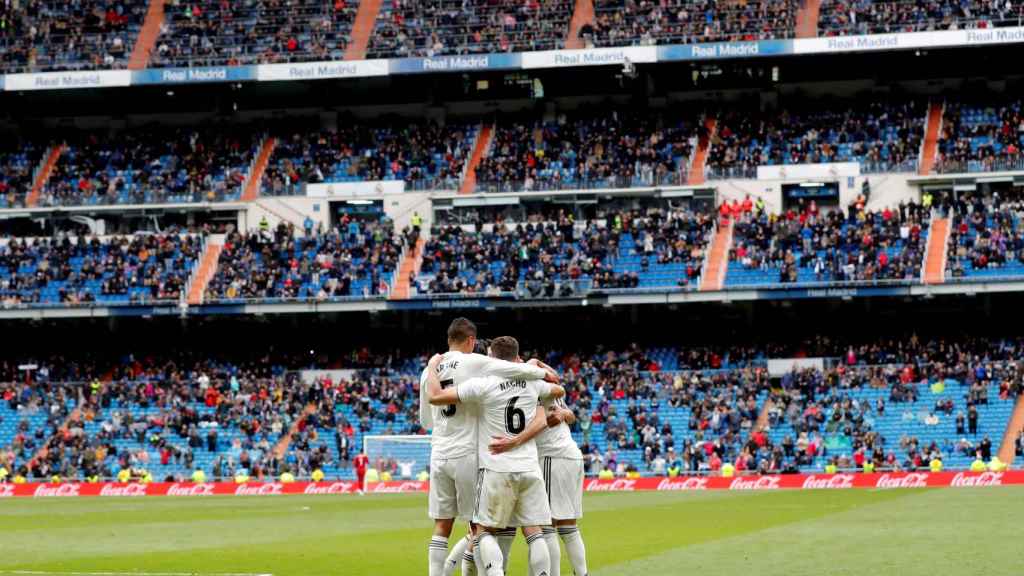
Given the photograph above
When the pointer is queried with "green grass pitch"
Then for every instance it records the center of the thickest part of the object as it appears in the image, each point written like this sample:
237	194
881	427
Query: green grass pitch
927	532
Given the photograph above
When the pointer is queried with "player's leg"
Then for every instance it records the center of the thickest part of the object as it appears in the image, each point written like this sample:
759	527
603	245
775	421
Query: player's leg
505	539
554	549
458	552
466	475
361	482
567	508
540	560
495	502
574	547
533	511
443	508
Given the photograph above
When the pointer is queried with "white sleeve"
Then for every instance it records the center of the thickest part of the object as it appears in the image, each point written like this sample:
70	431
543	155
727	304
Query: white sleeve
543	392
426	414
471	390
480	365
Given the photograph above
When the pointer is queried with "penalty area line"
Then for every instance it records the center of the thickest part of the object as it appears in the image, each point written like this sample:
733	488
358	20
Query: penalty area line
54	573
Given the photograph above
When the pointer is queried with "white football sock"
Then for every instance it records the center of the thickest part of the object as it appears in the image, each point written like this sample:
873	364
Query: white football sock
554	550
505	539
574	548
469	564
488	554
436	553
540	561
455	556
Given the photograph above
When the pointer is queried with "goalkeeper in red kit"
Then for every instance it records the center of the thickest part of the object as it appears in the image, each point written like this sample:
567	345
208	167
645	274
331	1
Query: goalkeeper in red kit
360	463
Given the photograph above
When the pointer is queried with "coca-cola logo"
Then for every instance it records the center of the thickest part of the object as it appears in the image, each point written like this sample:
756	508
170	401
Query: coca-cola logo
836	481
984	479
270	489
56	491
123	490
755	483
190	490
397	487
6	490
672	484
618	485
912	480
332	488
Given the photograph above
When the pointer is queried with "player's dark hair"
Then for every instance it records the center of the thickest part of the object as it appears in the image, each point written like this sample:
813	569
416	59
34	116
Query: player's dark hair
460	330
505	348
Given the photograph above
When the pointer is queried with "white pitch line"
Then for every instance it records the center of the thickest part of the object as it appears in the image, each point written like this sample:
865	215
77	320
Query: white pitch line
48	573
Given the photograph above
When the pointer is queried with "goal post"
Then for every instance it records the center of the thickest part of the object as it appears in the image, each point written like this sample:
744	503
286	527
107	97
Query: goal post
409	454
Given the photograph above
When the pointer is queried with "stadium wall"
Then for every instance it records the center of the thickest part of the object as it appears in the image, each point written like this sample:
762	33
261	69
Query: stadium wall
776	482
887	190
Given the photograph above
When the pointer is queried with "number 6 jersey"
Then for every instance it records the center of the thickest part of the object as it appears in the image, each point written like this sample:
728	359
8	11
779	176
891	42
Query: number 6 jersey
506	407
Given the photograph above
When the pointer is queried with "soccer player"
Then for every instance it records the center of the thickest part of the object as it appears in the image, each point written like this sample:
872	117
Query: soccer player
361	462
510	488
453	458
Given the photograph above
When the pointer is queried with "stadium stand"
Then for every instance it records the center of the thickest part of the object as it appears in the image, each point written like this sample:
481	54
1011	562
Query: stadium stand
88	270
981	137
152	165
424	155
355	259
629	23
985	241
18	161
56	35
882	136
589	148
538	258
638	409
854	17
215	33
426	28
813	246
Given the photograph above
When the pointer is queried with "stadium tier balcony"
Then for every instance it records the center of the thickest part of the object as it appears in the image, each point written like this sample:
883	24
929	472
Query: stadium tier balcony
631	23
856	17
624	251
986	240
426	28
354	260
88	271
424	155
57	35
809	247
217	32
151	166
600	148
981	138
881	137
18	162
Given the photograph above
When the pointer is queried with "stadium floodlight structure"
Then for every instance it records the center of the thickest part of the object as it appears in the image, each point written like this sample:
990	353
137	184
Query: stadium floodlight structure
407	450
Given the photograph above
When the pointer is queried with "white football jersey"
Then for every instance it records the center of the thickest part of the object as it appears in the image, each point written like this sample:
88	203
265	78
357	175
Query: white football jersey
506	408
557	442
454	427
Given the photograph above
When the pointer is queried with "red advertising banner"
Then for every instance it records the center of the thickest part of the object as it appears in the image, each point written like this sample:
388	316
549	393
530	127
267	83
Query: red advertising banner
780	482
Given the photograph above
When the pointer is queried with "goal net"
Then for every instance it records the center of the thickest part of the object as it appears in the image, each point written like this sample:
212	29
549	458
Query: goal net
404	457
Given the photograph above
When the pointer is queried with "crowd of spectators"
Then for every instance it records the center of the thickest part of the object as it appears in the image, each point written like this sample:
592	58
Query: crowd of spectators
986	236
590	148
833	245
355	258
217	32
881	136
981	138
58	35
427	28
18	161
558	256
426	155
151	166
855	17
645	23
638	410
84	270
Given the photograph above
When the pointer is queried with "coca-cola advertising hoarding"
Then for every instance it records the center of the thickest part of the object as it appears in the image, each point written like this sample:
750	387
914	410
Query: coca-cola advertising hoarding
887	480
